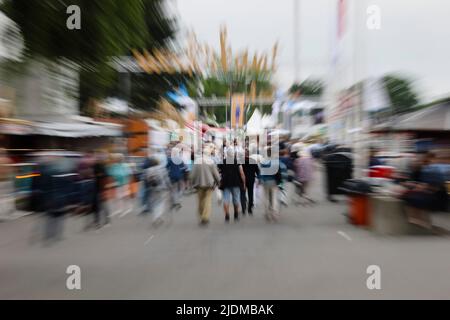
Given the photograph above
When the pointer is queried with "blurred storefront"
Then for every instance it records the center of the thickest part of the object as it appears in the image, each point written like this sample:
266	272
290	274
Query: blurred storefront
302	116
420	131
73	135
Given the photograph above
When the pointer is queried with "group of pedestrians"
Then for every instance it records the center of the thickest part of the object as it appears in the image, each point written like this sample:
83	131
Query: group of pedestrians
91	185
99	185
163	184
235	171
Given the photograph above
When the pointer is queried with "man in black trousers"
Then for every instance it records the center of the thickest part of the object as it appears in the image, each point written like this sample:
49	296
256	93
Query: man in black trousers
251	171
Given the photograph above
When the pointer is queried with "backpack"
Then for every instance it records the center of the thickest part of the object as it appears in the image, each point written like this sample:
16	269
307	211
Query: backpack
176	171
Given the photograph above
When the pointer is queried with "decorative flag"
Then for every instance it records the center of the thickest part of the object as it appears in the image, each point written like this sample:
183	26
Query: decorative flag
341	18
237	111
340	30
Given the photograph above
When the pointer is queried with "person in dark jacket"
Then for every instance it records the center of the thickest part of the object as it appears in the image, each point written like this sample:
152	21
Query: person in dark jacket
58	185
232	181
146	185
101	212
251	171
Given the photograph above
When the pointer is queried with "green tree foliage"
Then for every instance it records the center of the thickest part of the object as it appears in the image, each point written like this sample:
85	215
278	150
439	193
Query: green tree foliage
401	93
213	87
309	87
146	89
108	28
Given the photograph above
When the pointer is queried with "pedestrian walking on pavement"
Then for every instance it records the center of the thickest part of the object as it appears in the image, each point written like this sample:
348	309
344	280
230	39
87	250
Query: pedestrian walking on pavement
177	170
271	179
58	194
146	185
304	169
232	180
121	175
86	187
101	212
251	171
6	186
204	178
160	198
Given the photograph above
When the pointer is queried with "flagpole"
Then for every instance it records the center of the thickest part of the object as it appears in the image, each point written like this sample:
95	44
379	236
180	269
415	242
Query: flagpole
296	41
231	102
245	103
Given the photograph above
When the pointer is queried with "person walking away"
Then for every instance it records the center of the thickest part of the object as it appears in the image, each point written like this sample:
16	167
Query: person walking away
160	191
146	186
189	162
86	188
101	212
232	180
58	188
271	179
218	158
205	177
176	169
304	169
251	171
6	186
120	174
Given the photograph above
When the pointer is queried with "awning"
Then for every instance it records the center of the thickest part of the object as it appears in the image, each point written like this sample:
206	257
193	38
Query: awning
435	118
76	129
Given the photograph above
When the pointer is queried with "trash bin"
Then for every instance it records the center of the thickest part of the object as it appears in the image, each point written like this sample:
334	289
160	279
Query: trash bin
358	192
339	168
359	210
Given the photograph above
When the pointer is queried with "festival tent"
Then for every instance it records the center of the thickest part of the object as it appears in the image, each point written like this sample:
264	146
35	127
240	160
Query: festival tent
258	123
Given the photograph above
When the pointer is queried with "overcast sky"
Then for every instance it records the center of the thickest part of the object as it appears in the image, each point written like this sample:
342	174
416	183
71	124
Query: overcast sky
413	39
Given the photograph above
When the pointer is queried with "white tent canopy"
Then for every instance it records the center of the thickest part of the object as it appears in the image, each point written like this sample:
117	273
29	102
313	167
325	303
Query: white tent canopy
258	123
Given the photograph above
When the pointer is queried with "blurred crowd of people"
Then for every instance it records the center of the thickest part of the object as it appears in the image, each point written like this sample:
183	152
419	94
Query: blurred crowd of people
234	170
100	185
240	175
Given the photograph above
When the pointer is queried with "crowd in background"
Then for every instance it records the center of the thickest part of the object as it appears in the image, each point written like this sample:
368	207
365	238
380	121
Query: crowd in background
100	185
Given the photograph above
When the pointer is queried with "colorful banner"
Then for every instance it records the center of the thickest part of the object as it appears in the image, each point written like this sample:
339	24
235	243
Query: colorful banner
237	111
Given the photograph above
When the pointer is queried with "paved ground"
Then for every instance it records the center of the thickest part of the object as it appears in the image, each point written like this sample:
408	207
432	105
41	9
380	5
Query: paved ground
311	253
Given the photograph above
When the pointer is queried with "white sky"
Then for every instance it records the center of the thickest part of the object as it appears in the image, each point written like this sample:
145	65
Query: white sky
414	36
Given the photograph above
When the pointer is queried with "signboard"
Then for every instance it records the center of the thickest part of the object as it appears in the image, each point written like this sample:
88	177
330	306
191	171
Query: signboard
237	111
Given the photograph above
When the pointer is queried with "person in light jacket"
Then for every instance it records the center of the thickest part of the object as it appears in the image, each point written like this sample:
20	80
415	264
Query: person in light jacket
205	177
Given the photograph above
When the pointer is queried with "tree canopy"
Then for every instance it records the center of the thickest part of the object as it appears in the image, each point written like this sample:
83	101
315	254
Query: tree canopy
401	93
109	28
309	87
